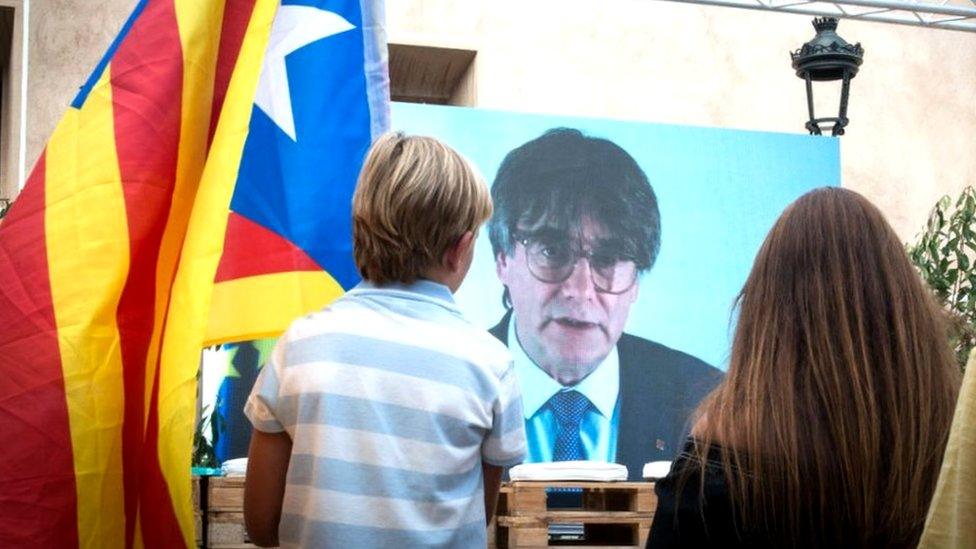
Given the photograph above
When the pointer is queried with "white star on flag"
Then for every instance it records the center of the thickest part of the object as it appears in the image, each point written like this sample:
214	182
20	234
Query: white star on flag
294	27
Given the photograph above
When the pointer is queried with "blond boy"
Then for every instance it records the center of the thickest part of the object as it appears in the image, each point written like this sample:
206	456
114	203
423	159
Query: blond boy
385	420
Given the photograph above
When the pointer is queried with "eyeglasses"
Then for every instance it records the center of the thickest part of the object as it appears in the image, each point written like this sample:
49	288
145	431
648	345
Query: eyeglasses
553	261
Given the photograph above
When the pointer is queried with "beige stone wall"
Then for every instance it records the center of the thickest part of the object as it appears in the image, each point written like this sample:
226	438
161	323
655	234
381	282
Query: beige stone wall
913	117
66	40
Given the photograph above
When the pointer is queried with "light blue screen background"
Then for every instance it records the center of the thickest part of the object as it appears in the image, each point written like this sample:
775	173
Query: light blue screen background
719	192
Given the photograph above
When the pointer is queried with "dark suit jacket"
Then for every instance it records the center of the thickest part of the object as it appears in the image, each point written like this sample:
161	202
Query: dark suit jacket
659	389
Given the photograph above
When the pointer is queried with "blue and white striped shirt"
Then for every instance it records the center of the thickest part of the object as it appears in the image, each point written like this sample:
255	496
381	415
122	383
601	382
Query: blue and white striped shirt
392	401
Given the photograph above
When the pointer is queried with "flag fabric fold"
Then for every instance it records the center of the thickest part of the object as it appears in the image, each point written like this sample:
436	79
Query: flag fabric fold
198	189
107	261
323	96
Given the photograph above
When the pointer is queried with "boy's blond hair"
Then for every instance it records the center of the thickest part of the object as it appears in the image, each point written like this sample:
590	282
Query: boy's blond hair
415	198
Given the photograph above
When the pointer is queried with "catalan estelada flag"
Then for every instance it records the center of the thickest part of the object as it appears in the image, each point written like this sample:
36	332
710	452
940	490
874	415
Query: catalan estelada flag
323	96
108	257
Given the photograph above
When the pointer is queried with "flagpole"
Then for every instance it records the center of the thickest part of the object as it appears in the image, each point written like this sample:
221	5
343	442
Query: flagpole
25	55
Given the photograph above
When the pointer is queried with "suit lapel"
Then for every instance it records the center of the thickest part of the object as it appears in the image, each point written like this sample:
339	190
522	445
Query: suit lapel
500	330
643	436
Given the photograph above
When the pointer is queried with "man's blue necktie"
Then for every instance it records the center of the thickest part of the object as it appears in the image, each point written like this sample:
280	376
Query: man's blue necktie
569	408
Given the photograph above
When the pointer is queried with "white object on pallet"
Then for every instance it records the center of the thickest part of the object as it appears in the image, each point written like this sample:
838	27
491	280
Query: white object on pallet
656	469
596	471
234	467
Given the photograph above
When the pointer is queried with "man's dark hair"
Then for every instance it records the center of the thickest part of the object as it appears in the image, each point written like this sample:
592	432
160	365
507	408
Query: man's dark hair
560	177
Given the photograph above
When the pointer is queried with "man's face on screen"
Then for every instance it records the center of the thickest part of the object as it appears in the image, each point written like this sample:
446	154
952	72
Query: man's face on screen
571	292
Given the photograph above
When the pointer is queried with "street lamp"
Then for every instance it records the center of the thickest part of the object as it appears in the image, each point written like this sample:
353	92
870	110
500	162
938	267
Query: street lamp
827	57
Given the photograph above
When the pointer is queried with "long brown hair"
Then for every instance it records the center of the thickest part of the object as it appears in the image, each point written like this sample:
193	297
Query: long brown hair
841	385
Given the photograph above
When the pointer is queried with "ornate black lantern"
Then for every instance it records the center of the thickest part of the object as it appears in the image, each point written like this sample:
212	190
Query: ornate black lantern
827	57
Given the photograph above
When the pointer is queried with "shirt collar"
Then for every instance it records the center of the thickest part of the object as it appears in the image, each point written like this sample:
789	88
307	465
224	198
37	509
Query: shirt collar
601	387
422	287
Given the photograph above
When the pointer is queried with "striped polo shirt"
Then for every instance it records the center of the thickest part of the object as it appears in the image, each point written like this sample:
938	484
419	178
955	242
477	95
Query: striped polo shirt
393	401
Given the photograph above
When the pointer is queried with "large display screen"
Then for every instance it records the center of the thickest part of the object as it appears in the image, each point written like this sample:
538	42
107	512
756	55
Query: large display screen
613	260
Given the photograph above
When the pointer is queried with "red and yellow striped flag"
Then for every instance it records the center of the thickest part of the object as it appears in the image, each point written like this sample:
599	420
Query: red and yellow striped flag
107	260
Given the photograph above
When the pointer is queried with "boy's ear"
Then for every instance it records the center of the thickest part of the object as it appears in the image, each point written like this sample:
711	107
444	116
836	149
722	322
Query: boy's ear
457	254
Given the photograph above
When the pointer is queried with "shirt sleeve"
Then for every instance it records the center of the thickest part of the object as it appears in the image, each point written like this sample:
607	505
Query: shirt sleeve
505	445
261	407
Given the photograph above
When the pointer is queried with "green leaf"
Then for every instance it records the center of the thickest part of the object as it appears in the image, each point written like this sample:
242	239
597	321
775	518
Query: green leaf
933	249
945	254
961	201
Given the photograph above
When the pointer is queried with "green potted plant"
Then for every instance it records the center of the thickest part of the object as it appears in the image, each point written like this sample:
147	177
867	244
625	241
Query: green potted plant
945	254
204	460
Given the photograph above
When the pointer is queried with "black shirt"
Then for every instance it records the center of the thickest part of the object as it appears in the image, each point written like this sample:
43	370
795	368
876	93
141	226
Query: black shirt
684	521
706	519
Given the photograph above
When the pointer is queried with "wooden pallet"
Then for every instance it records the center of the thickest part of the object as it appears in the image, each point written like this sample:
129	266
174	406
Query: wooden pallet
224	510
226	513
612	514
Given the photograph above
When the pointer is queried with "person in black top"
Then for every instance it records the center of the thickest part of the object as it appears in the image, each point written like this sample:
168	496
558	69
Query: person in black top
699	525
829	428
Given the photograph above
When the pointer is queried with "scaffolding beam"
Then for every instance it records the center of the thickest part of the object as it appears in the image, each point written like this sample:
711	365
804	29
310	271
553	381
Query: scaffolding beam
956	15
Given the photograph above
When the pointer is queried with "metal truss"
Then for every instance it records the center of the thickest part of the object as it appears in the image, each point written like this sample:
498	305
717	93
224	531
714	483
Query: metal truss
957	15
